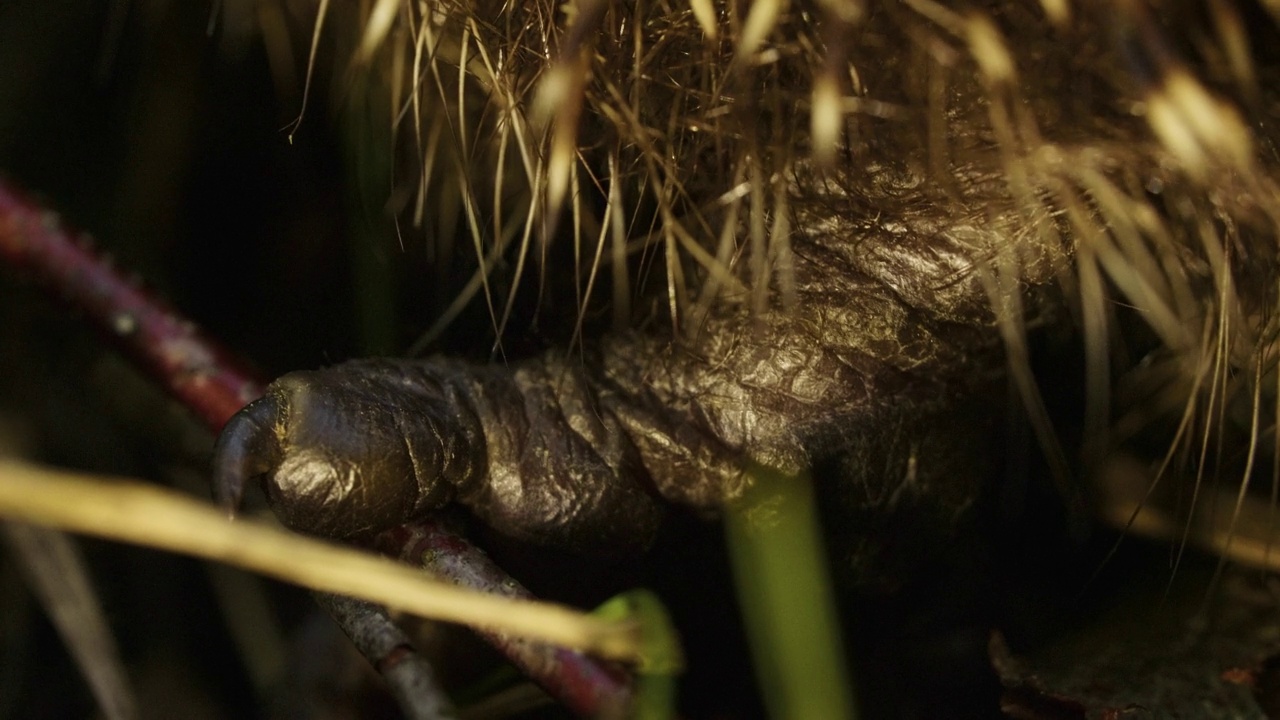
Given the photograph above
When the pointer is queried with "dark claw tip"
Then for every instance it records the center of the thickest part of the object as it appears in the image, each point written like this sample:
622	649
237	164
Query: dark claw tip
246	450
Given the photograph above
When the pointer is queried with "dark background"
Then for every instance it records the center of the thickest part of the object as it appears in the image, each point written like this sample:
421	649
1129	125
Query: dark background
157	126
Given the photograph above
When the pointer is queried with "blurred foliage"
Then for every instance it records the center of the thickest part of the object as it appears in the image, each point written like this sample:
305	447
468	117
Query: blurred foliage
157	125
780	567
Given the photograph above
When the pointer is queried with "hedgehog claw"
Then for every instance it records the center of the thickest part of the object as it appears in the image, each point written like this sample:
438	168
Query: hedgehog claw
246	450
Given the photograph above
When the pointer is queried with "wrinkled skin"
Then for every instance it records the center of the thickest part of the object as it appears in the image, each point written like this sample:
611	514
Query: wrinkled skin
870	378
884	376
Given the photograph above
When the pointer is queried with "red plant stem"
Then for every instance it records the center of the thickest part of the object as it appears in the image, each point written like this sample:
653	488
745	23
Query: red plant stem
585	687
213	384
189	365
409	676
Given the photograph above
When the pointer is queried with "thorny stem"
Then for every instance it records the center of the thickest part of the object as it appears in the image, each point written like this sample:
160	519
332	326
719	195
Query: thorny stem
410	677
585	687
192	367
209	381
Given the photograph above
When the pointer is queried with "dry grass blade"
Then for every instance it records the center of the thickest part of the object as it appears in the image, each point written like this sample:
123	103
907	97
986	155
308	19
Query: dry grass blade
376	29
705	13
1233	36
128	511
57	575
761	20
826	118
1238	529
1058	12
321	13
